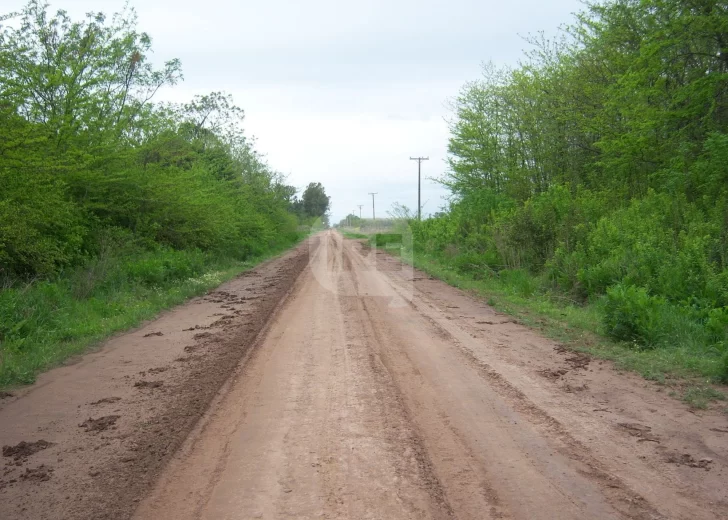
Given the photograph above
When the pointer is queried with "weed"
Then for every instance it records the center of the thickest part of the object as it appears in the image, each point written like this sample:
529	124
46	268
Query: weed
700	396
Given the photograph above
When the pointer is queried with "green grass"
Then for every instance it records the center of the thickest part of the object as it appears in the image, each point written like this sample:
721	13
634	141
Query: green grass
355	236
687	365
44	323
386	240
700	396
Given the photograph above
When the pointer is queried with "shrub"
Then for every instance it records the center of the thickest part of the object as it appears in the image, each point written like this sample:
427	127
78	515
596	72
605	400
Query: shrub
472	263
723	369
164	266
387	240
520	281
716	325
41	231
631	314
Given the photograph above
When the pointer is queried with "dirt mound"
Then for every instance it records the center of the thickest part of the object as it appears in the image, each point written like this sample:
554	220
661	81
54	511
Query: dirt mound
25	449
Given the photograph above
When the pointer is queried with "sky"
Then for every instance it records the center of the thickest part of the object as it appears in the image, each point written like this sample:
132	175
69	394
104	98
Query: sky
340	92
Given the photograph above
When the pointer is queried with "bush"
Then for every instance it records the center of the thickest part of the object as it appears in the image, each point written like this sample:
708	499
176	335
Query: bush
659	242
155	269
631	314
716	325
387	240
723	369
41	230
473	264
521	282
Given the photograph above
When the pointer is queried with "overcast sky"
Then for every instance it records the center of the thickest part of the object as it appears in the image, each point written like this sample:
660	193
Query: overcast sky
336	91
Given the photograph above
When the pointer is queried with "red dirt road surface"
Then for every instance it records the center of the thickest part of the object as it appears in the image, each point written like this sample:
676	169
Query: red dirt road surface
334	382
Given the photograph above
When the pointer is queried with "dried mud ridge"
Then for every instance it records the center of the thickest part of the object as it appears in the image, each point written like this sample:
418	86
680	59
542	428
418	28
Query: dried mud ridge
23	449
105	462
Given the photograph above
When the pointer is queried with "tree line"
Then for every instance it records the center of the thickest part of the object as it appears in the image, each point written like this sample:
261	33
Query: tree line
88	159
114	205
598	165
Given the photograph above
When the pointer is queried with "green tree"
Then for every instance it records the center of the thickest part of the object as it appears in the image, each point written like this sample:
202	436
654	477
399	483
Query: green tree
314	200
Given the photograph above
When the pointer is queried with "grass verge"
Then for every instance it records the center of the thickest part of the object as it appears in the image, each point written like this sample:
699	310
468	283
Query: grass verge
352	235
690	371
44	323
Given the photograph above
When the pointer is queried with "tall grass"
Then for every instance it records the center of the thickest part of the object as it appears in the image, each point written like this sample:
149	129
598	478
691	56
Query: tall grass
684	357
45	322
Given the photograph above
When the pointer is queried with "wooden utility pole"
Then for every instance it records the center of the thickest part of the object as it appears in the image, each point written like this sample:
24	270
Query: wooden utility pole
360	207
374	215
419	183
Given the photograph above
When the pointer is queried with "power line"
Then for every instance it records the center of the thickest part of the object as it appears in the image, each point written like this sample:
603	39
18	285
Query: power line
419	183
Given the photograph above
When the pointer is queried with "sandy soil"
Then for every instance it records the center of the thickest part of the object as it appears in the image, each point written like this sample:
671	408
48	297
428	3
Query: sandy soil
373	391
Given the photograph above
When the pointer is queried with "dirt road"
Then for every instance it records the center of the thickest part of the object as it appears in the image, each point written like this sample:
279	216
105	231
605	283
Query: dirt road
377	392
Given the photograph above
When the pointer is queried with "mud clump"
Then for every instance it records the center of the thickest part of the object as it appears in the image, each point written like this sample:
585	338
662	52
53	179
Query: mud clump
576	360
101	424
24	449
5	395
196	327
553	374
148	384
685	459
202	335
158	370
106	400
154	334
39	474
569	389
642	432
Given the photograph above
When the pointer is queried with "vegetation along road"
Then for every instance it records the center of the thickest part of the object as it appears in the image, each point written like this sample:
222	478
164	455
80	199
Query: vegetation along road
352	386
551	343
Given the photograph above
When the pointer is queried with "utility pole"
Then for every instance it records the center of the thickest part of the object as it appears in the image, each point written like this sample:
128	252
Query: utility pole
374	215
360	207
419	183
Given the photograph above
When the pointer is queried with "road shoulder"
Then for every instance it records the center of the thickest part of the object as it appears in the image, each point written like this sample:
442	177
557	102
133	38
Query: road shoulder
111	421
